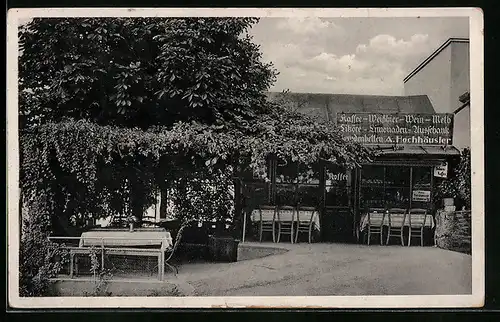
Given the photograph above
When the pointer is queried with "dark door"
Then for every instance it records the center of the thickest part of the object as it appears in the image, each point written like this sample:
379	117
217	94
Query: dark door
337	215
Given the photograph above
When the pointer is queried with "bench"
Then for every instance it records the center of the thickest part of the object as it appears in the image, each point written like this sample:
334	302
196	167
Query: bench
159	253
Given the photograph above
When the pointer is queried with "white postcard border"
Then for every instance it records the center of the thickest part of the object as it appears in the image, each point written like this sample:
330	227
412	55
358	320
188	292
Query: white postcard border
476	299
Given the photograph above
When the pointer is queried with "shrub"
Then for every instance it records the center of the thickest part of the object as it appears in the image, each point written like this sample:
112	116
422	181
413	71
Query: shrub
101	276
458	185
39	259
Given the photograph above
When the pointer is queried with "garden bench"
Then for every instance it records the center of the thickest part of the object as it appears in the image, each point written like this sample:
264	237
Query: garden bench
157	252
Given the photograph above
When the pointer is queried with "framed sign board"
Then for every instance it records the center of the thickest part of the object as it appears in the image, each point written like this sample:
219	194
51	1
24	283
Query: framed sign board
397	129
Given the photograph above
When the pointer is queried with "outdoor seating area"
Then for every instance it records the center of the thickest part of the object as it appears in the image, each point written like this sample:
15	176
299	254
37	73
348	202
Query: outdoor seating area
285	223
141	250
405	225
144	251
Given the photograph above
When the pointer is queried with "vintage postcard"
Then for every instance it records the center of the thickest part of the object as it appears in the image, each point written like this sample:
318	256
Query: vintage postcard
245	158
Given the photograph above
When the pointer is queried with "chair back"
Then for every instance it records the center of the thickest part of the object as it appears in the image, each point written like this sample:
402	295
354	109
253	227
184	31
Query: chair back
267	213
396	217
286	214
417	218
177	242
305	214
376	216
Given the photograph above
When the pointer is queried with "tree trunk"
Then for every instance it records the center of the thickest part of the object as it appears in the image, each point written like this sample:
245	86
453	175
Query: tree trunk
59	218
136	207
238	213
163	202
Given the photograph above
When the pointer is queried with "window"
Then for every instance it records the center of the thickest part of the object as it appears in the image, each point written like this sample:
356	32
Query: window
395	187
255	191
372	193
421	178
373	176
421	187
308	191
286	180
397	177
372	197
297	184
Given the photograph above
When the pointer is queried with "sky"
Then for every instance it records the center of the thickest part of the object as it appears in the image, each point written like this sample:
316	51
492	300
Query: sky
351	55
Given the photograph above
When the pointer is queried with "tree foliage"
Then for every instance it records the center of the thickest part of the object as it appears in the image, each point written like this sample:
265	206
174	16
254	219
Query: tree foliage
139	72
36	253
458	185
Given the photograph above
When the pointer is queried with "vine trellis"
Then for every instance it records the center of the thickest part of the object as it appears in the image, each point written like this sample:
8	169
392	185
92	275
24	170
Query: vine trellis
101	171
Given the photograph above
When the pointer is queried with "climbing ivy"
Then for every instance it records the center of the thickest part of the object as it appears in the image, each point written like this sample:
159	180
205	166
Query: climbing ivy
458	185
103	170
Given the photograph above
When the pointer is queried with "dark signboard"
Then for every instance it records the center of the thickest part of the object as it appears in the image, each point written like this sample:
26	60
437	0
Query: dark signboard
398	129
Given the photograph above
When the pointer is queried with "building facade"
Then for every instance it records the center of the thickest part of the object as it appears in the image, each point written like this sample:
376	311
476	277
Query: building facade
403	175
444	77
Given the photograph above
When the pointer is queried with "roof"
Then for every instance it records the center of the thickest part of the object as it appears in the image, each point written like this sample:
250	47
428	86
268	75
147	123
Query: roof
327	106
433	55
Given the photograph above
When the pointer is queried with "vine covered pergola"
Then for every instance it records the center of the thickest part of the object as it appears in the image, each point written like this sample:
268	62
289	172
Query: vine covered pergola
96	171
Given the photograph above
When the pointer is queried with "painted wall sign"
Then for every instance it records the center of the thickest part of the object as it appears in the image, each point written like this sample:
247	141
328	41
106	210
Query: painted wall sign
421	195
400	129
441	171
337	177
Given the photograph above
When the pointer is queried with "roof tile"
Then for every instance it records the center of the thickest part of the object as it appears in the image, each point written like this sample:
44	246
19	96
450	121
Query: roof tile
328	105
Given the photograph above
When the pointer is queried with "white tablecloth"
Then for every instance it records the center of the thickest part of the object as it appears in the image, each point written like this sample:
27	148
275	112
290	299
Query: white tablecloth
126	238
397	220
286	215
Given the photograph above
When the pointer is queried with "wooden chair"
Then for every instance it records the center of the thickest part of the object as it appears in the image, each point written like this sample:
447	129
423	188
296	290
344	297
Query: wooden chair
375	225
266	223
285	218
416	221
169	253
396	218
305	222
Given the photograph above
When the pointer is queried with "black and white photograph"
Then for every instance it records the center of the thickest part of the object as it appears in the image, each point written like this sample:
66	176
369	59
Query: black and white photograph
233	158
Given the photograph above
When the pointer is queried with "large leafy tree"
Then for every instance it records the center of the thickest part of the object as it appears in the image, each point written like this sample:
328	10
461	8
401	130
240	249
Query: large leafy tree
126	72
142	71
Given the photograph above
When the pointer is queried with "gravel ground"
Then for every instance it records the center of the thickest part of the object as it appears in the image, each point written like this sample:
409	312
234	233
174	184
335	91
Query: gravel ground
336	269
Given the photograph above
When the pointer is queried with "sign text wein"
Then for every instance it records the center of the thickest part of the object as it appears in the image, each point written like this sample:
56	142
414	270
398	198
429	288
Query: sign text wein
401	129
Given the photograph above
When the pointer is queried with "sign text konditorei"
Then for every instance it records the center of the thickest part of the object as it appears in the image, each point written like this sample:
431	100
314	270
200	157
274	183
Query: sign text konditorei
403	129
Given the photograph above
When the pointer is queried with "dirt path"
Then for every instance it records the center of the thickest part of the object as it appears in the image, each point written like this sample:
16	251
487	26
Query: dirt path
338	269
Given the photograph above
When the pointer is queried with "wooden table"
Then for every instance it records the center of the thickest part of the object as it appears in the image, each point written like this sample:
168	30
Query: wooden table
397	221
125	242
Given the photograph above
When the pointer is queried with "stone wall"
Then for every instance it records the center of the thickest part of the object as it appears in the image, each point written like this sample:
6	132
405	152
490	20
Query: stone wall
453	230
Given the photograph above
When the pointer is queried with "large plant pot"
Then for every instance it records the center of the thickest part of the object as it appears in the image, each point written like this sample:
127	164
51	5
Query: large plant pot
223	249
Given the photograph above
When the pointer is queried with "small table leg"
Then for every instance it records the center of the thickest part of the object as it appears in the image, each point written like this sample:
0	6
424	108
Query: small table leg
162	269
71	264
159	267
